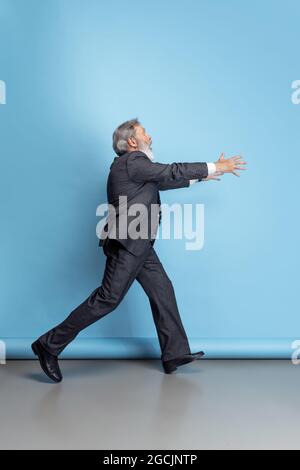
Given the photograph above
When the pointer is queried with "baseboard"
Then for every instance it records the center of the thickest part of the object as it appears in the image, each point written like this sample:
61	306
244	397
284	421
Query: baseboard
148	348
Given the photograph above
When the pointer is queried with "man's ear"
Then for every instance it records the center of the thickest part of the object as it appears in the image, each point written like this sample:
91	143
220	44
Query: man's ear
132	142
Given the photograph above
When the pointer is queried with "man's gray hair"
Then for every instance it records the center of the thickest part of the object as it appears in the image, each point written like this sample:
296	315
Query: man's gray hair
122	133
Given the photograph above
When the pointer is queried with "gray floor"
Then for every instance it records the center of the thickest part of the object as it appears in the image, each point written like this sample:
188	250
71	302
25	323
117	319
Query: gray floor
127	404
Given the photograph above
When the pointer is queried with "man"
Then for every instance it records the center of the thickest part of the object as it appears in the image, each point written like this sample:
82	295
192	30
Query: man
135	178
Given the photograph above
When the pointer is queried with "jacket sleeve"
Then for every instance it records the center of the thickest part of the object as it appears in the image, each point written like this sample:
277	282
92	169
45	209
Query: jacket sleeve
142	170
173	184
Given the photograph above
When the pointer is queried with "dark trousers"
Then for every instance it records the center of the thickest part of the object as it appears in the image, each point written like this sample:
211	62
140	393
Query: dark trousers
121	269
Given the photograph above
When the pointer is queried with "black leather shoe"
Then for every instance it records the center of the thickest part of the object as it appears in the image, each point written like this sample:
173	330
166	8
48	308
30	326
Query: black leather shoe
48	362
171	365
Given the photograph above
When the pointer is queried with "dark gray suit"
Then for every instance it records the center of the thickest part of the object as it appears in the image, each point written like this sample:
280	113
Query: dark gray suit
134	175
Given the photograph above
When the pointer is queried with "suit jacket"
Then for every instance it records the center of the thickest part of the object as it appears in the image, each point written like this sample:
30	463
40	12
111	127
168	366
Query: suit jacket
138	179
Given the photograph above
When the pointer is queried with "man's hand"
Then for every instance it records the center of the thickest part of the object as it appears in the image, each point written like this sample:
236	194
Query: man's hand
214	176
229	165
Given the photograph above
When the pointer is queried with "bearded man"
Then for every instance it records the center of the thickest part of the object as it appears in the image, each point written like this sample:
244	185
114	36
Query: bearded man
129	250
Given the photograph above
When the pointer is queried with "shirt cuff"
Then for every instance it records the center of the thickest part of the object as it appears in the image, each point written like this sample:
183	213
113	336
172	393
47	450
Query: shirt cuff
211	168
193	181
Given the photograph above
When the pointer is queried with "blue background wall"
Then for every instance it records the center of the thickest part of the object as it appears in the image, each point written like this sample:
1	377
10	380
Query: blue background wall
203	77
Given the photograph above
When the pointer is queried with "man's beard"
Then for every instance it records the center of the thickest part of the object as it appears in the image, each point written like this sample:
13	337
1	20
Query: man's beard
146	148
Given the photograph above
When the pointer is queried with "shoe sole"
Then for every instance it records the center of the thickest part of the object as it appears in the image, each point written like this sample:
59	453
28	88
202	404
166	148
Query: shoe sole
171	368
36	352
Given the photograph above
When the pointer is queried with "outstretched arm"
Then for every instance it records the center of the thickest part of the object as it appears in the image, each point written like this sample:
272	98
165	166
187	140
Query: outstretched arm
185	182
142	170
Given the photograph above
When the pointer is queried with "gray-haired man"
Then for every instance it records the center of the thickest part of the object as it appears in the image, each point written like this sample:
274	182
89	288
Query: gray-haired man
135	176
